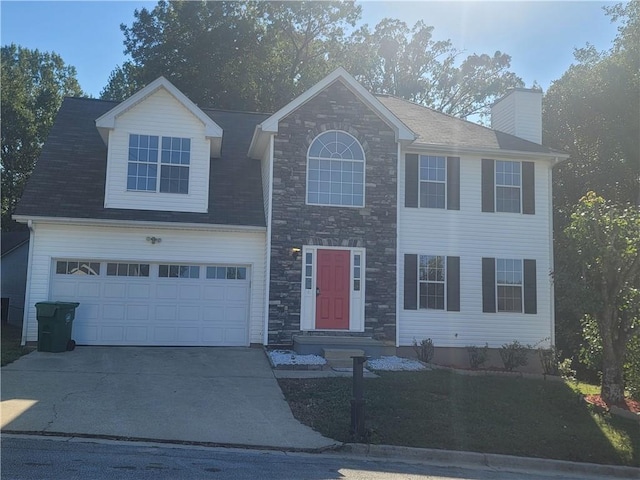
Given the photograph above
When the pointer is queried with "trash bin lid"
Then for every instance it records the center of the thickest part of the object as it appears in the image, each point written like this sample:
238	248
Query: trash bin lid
67	304
46	309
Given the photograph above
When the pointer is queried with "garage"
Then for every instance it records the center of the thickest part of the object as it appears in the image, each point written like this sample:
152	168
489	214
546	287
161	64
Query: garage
145	303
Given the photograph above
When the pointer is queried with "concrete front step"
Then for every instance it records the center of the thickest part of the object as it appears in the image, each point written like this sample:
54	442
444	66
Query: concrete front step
315	344
341	357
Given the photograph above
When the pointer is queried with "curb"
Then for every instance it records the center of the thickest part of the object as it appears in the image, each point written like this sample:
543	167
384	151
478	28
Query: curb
491	460
168	442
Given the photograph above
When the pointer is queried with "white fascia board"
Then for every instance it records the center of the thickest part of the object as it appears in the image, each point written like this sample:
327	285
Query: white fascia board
403	133
212	130
259	142
488	152
138	224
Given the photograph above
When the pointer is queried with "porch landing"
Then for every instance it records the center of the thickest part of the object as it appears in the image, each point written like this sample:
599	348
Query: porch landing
317	345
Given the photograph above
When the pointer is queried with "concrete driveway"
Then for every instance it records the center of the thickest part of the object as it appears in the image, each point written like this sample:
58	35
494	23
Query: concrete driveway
218	395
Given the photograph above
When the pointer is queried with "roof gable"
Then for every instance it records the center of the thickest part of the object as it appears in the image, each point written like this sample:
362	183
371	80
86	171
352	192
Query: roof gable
213	132
270	125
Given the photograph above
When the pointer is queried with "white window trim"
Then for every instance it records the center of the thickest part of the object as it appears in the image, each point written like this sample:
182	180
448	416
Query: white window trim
356	297
420	181
495	187
444	282
159	164
364	174
509	285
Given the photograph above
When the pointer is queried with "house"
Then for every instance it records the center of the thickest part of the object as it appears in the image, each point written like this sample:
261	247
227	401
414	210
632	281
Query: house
15	248
343	214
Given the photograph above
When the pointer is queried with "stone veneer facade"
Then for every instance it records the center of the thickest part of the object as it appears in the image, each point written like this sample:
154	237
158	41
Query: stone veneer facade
294	223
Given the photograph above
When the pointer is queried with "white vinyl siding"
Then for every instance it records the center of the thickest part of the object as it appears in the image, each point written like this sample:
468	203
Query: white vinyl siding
471	236
129	245
159	115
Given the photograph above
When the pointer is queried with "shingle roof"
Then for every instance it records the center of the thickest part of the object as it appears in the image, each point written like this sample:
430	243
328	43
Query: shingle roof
437	128
12	240
69	178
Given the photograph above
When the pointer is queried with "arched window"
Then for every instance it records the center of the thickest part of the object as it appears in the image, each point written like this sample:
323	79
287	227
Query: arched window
335	170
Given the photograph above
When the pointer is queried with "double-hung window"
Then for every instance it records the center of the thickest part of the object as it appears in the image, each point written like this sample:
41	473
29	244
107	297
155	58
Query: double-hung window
433	181
509	285
150	155
508	186
432	282
335	170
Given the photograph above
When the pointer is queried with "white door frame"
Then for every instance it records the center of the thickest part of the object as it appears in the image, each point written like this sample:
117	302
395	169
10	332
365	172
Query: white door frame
308	288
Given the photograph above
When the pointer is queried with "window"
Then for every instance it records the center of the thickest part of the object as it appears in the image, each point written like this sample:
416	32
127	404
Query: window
335	170
128	269
509	285
81	267
174	171
143	163
308	271
357	272
175	158
432	281
179	271
508	184
433	181
227	273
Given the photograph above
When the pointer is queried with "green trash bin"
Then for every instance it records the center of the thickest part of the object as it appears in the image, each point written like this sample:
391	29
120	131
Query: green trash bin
55	321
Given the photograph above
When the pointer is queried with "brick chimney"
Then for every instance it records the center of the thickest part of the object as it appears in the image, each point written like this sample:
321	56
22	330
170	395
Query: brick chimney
519	113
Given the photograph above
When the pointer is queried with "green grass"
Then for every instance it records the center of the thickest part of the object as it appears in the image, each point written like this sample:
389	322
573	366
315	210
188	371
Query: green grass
11	349
441	409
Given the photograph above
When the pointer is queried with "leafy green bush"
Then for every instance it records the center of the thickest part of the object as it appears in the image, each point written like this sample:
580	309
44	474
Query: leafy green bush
425	350
513	355
477	355
565	370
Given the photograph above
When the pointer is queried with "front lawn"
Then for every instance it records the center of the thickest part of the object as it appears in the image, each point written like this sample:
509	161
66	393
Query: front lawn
441	409
11	349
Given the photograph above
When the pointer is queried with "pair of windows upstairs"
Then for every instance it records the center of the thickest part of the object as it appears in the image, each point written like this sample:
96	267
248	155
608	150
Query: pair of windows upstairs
431	282
509	285
150	155
508	186
432	182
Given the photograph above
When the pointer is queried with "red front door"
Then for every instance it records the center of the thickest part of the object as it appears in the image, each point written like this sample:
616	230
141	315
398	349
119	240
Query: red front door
332	294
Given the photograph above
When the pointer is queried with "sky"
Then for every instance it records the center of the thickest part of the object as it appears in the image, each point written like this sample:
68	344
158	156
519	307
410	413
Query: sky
540	36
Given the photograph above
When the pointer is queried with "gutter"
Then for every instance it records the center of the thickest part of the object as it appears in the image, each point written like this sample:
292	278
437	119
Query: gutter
137	223
27	293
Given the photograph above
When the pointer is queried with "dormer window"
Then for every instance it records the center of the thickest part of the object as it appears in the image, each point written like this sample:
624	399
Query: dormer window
174	157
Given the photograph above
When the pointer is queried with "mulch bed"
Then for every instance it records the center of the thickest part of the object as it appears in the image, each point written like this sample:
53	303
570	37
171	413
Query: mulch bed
630	405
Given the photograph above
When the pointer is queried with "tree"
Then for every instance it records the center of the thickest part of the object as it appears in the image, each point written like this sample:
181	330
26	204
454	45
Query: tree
260	55
32	84
593	113
244	56
408	63
606	237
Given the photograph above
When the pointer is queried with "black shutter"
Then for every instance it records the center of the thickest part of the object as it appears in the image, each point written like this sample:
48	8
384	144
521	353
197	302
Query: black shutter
488	285
530	291
528	188
411	181
488	179
453	183
453	284
410	282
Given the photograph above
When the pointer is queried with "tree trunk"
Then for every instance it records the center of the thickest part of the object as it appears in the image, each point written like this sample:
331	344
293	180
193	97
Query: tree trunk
612	390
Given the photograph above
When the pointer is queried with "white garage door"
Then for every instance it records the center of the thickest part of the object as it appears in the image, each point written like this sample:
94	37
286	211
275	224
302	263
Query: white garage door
125	303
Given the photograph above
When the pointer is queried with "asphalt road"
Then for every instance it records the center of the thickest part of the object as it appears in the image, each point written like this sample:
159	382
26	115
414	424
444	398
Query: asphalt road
69	459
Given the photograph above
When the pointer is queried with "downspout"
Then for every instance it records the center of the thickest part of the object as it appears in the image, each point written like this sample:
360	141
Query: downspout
399	163
27	296
267	289
552	306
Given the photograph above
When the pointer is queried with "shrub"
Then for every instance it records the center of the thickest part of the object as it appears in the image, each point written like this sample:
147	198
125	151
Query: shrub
565	370
477	355
513	355
548	360
424	350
